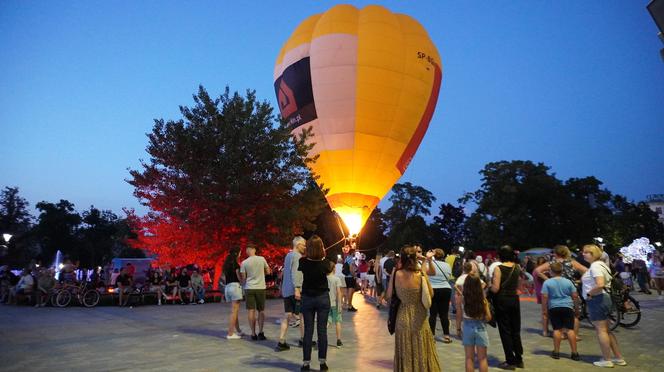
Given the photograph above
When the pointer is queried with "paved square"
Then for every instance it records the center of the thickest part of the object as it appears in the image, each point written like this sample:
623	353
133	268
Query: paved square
177	337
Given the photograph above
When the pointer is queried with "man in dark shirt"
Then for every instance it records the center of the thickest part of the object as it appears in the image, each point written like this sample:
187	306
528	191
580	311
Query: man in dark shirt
124	282
184	285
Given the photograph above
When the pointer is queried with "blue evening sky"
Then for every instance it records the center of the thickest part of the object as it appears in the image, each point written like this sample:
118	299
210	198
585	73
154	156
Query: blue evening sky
578	85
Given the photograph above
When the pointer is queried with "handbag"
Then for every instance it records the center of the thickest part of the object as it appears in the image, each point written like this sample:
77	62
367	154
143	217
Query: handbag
395	302
426	296
492	310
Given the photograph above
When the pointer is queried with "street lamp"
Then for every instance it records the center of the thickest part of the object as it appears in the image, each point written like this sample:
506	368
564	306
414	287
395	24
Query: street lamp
461	249
658	244
7	237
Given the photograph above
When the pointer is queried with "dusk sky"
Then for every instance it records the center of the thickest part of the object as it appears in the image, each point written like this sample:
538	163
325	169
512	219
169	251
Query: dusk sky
577	85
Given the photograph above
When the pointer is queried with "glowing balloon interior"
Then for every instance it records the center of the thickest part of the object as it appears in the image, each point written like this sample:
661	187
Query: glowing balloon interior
367	82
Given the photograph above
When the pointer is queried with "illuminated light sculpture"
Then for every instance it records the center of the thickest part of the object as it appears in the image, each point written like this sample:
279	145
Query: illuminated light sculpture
366	81
638	250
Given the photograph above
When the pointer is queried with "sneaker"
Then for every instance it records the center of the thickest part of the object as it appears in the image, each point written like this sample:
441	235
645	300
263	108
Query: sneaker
603	363
159	303
201	301
575	356
234	336
261	336
339	343
352	309
305	367
555	355
254	337
282	347
619	362
323	366
294	324
519	364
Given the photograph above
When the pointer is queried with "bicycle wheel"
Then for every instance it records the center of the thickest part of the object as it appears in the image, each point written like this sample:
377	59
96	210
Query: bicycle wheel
631	312
63	298
91	298
52	297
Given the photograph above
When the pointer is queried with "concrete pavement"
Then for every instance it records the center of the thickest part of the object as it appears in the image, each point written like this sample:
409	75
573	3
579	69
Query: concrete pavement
184	337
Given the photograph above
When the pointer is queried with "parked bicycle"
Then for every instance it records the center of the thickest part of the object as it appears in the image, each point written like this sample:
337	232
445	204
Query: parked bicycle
85	293
625	311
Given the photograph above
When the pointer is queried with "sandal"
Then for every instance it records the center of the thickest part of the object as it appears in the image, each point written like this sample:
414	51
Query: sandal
447	340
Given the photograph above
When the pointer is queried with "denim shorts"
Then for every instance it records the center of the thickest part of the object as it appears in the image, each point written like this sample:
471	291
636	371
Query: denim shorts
599	307
474	333
233	292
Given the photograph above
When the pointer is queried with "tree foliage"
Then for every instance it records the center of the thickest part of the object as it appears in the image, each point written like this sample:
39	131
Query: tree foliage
223	175
15	219
523	204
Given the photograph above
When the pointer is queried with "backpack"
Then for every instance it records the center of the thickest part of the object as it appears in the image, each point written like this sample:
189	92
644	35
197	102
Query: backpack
345	269
616	286
457	267
388	266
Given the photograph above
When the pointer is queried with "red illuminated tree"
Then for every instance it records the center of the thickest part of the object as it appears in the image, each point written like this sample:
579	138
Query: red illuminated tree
225	174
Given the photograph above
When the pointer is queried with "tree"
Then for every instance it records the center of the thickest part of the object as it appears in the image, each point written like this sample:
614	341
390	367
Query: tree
223	175
517	204
97	237
585	210
403	218
56	229
373	233
449	226
15	220
632	221
408	201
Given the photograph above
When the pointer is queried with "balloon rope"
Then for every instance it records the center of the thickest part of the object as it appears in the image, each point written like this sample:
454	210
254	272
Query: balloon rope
338	219
342	239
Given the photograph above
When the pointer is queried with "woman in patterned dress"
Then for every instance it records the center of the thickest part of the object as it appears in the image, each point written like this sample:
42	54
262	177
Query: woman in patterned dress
414	346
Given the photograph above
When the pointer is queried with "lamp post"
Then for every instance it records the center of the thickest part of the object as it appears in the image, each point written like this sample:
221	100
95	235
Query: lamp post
7	237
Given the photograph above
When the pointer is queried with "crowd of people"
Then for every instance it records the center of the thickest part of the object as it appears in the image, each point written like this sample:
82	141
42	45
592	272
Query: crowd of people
430	285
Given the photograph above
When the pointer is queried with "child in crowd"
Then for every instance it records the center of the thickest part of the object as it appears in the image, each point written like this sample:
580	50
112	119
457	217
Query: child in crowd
560	303
476	313
334	283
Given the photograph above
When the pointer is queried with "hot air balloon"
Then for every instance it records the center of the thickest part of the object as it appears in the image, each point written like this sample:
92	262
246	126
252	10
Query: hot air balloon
366	81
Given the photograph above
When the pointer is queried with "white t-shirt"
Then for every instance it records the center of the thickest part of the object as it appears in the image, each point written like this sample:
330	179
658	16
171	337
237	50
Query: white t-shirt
382	267
333	282
492	267
597	268
254	268
461	280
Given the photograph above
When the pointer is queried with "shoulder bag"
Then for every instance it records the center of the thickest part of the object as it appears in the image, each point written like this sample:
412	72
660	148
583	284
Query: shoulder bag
426	296
395	302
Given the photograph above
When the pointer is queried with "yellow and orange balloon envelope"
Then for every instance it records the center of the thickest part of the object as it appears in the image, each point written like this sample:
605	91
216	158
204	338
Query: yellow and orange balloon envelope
367	81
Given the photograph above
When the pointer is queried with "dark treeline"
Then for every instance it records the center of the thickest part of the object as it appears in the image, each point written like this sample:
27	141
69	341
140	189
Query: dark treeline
92	237
519	203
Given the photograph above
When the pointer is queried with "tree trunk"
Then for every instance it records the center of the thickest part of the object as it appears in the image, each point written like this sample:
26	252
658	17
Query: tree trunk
217	274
